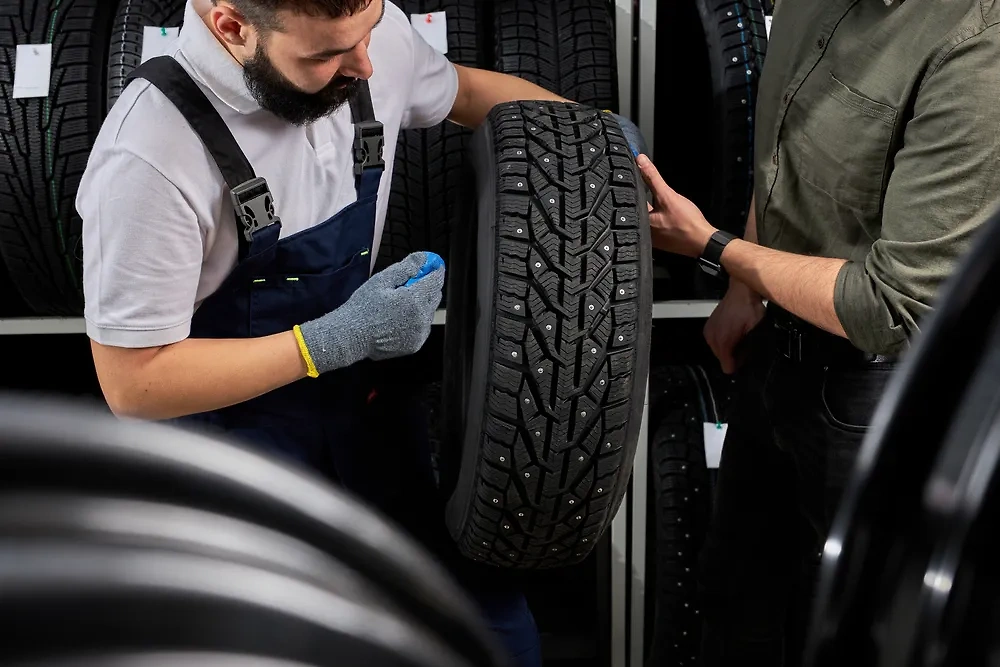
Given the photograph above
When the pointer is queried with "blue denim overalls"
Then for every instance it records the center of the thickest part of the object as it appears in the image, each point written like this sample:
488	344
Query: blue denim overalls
364	426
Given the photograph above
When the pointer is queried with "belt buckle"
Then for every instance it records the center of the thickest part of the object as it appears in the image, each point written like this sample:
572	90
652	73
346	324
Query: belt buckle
254	206
369	142
790	347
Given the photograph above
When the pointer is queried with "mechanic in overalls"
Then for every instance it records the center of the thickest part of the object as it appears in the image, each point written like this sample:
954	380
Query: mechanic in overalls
232	208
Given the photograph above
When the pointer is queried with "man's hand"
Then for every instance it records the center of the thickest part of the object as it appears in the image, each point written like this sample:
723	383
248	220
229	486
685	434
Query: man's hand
384	318
739	311
677	224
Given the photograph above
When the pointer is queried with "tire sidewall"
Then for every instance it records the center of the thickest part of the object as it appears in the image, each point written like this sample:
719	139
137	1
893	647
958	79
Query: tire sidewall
482	162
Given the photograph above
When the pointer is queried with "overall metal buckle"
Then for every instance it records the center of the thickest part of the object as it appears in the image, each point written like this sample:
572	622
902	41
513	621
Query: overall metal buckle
369	142
254	206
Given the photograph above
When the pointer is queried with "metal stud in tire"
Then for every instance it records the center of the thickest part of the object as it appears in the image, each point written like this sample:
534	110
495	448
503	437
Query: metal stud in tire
548	333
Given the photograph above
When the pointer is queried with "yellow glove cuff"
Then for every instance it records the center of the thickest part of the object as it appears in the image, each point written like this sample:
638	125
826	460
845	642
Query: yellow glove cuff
310	365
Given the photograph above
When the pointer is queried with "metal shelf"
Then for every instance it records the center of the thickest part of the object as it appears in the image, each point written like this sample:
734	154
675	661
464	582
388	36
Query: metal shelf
29	326
40	326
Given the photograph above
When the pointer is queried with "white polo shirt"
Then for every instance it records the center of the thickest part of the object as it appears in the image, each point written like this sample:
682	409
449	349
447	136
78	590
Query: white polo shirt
159	233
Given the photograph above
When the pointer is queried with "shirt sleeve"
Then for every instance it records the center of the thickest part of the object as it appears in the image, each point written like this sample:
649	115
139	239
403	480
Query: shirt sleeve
944	185
142	253
434	85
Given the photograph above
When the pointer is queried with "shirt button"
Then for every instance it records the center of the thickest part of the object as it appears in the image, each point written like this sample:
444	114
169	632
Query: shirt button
774	158
787	97
821	42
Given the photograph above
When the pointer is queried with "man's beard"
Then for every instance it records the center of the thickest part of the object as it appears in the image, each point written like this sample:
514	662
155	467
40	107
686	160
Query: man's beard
274	92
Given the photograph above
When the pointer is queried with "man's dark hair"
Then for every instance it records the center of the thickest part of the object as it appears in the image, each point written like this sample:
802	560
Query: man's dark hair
263	14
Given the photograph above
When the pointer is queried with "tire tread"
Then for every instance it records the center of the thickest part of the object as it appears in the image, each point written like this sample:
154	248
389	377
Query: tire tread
544	500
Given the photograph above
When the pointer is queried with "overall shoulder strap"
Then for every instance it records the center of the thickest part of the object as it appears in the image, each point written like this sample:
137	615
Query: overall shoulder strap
251	197
369	140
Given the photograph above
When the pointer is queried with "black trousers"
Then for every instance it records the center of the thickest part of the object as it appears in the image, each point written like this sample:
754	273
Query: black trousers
789	450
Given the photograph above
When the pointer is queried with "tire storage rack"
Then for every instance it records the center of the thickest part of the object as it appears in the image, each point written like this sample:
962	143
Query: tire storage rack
607	55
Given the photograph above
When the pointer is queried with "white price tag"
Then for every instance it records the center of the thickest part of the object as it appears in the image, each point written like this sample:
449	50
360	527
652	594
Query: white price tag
767	25
715	436
433	28
32	70
156	41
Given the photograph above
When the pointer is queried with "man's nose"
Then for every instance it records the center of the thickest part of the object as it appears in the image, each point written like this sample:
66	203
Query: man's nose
356	63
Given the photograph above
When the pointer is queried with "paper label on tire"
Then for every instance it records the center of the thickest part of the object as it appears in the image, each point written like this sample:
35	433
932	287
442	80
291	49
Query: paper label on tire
715	436
433	27
157	40
32	70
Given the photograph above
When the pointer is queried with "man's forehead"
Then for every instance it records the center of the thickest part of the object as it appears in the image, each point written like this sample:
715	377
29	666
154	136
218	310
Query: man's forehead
309	15
317	37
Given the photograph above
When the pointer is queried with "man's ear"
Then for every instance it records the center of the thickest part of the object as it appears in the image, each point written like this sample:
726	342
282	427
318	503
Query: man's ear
230	26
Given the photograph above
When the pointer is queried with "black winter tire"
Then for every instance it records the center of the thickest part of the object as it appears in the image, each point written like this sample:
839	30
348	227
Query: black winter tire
82	518
565	46
428	172
682	493
126	597
879	534
713	158
54	445
156	658
11	302
45	143
547	341
127	33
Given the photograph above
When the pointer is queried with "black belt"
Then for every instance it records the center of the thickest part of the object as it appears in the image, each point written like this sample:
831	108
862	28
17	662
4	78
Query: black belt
801	342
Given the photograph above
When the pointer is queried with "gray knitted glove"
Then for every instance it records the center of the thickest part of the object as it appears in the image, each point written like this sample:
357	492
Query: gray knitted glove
382	319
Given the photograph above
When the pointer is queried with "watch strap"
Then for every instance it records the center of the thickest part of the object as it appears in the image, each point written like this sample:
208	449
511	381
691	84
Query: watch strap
711	256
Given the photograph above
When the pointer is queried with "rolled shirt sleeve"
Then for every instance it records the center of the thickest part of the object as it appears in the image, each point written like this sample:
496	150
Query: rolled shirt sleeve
944	184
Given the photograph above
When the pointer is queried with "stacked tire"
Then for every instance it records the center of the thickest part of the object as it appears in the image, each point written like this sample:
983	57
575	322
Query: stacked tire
45	143
706	143
127	35
565	47
428	172
684	398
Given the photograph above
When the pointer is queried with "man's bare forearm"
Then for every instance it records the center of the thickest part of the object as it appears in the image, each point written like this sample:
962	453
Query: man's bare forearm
480	90
750	236
801	285
196	375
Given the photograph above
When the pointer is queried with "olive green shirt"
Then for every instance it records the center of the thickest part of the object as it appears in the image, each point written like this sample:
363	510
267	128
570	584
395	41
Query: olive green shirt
878	141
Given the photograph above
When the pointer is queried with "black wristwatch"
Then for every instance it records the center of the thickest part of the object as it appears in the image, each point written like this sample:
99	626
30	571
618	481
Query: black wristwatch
711	256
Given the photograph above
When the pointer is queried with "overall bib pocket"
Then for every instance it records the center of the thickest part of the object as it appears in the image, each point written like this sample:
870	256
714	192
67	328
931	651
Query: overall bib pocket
311	295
